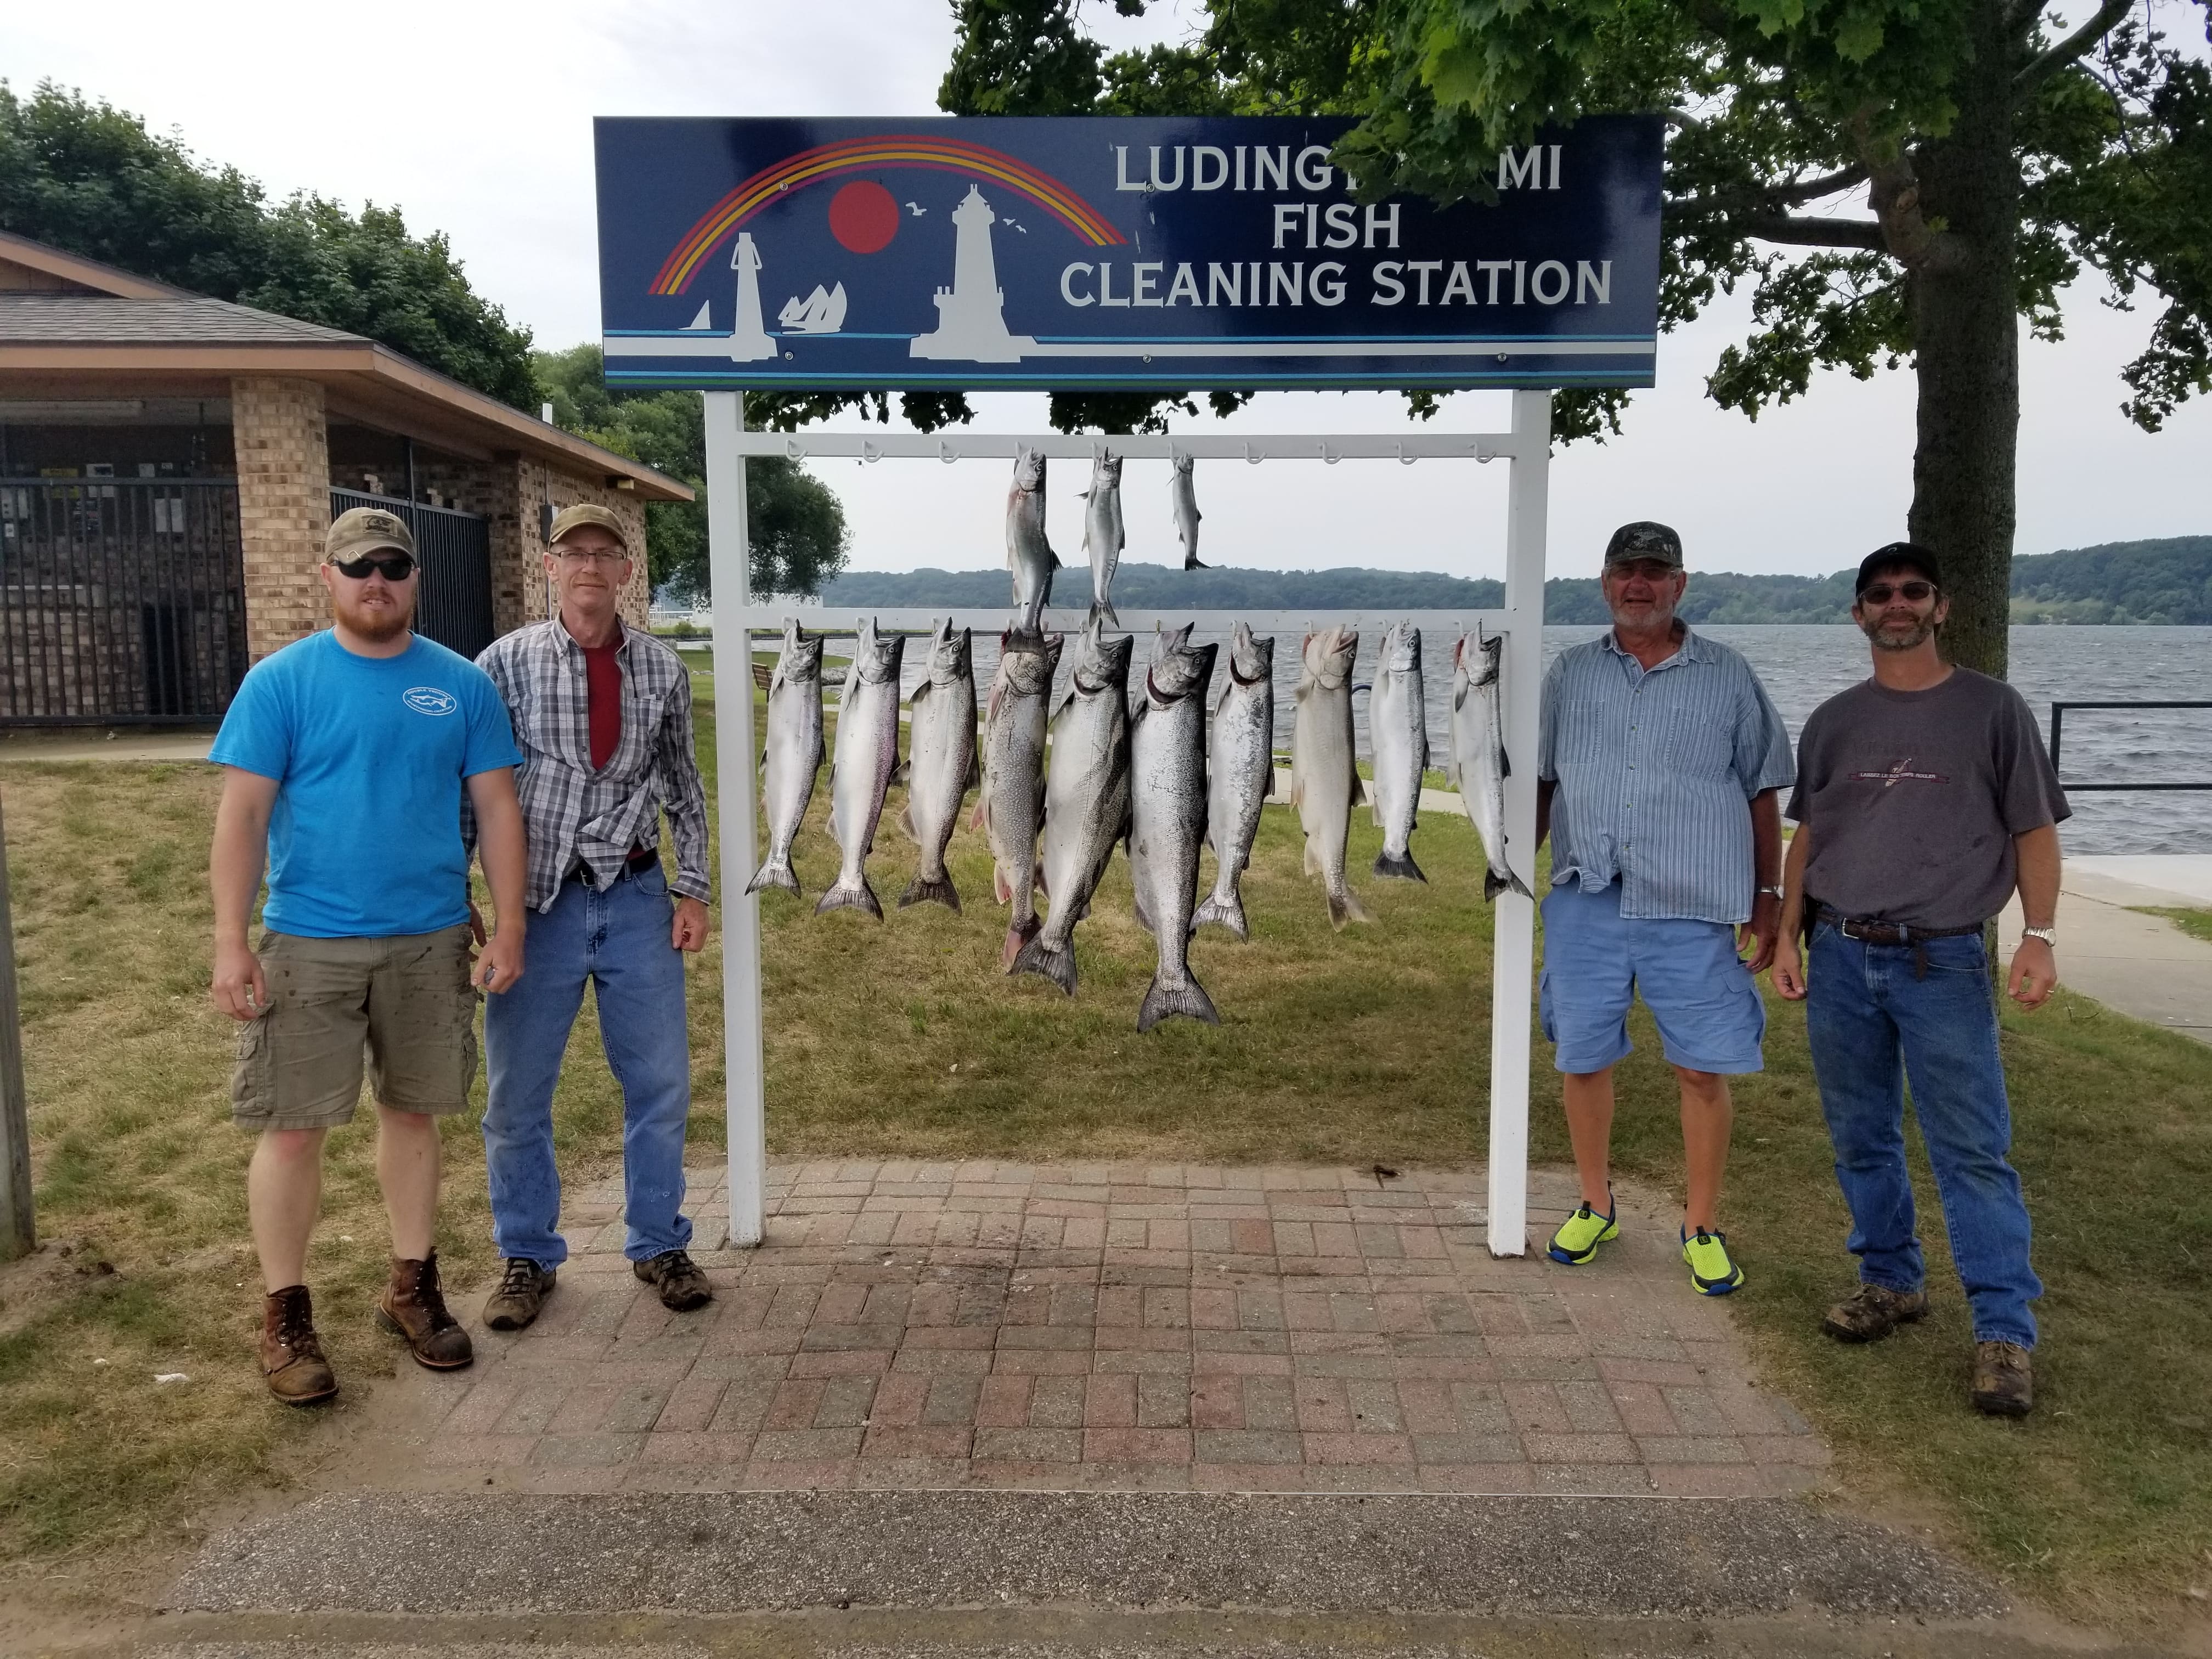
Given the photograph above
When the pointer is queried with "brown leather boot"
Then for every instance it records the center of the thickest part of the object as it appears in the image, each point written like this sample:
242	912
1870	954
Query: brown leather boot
291	1357
413	1307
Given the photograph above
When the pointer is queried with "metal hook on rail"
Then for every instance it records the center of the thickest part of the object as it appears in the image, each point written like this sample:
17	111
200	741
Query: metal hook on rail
945	452
1249	456
1404	459
794	449
1327	454
871	451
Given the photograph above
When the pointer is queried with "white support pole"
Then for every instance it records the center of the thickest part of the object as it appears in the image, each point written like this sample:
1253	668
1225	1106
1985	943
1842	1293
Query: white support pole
730	567
1515	917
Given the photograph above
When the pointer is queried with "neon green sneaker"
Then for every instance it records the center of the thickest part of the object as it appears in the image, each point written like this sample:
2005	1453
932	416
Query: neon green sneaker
1580	1235
1713	1272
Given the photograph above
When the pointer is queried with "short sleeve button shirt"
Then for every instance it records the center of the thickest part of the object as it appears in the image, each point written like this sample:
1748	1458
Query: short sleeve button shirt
1655	769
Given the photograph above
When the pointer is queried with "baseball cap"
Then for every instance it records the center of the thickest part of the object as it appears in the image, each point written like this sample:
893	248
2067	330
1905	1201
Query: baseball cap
1644	540
1907	553
361	530
584	513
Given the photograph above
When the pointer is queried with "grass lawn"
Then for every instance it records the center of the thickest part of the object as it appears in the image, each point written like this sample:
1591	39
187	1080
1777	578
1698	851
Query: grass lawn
2197	924
905	1040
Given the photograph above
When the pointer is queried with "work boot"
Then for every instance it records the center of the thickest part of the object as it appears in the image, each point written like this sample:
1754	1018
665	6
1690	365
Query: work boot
291	1355
523	1288
413	1307
2004	1380
1873	1311
682	1285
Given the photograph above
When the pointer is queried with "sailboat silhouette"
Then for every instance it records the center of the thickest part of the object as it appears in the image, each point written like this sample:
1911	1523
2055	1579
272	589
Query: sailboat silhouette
818	313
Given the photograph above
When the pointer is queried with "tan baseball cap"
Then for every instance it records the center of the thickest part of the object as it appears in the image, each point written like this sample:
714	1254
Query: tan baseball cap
584	513
363	529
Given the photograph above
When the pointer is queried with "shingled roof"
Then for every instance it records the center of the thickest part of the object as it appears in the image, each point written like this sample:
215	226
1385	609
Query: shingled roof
98	318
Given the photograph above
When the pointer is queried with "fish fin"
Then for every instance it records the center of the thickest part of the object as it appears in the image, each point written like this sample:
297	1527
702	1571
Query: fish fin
1312	860
858	896
1002	889
1143	921
776	872
1166	1001
1375	811
1402	868
920	692
1359	796
1056	565
1036	956
1298	788
1451	770
904	772
1493	884
1345	907
975	778
1228	913
906	824
1039	883
924	890
1191	562
1019	934
1504	764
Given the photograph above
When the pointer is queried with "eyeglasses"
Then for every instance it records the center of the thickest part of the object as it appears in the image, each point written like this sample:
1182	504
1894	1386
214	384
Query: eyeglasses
396	569
1880	593
593	555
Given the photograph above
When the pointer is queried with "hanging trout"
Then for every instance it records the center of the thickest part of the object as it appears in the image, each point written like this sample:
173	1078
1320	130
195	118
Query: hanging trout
940	762
1476	763
1103	535
1010	811
1242	776
1398	725
1167	814
867	755
1324	780
1028	555
792	753
1183	500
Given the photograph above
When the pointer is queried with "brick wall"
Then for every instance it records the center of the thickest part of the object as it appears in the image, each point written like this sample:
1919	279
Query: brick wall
518	563
283	507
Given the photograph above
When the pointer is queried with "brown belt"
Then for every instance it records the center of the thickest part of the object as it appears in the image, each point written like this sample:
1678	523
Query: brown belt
1869	931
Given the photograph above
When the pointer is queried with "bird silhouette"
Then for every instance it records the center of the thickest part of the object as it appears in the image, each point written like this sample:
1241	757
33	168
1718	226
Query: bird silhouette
916	211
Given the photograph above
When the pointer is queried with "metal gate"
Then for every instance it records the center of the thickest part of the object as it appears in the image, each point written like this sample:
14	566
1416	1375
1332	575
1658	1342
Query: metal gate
452	605
121	601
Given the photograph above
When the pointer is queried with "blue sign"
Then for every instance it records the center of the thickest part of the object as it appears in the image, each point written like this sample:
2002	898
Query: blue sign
1113	253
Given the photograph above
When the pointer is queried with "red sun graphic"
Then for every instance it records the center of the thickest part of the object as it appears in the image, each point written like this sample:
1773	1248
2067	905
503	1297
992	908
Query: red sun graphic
863	216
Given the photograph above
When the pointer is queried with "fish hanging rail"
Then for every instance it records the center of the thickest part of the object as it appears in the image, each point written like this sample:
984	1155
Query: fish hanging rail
1330	447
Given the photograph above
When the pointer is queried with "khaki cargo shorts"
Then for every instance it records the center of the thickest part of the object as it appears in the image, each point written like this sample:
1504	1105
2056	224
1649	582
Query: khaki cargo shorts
406	1004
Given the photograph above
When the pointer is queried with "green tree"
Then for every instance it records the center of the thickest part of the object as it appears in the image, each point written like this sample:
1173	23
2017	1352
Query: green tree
795	523
89	178
1996	157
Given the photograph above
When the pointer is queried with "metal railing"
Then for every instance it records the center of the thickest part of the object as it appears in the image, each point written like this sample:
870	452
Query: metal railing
121	601
453	603
2058	729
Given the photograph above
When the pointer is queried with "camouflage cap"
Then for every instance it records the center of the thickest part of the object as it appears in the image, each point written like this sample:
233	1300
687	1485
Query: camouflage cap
363	529
584	513
1644	540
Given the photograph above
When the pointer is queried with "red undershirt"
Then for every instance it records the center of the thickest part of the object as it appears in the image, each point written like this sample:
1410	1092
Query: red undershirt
603	698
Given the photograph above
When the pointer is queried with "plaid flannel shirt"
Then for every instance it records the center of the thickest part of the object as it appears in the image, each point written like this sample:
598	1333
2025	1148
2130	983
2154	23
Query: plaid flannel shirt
571	812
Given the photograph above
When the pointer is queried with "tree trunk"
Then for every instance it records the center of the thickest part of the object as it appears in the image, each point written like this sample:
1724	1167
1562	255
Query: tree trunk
1965	333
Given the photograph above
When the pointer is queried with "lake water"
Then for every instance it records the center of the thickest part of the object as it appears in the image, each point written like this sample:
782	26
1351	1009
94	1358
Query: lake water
1803	665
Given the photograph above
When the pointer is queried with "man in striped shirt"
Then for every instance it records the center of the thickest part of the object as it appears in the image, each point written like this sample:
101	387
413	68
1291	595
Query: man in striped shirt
1660	762
603	714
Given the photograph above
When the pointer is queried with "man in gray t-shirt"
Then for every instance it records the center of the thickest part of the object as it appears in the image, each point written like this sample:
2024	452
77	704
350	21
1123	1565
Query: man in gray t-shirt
1924	799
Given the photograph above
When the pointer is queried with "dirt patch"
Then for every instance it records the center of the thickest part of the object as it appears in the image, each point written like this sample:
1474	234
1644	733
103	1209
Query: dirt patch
49	1276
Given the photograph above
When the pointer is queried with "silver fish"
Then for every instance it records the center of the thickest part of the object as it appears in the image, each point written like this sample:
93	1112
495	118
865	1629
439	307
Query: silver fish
1010	810
1086	799
1324	778
792	754
1183	500
1398	725
867	755
940	762
1028	555
1167	819
1103	538
1476	763
1244	773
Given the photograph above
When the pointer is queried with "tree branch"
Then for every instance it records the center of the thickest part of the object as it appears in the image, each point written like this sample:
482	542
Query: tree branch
2047	64
1771	196
1815	233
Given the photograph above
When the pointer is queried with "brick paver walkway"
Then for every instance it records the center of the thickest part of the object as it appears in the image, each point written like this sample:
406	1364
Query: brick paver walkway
1112	1327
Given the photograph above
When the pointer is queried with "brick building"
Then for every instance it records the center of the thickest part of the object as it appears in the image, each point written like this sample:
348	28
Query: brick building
168	466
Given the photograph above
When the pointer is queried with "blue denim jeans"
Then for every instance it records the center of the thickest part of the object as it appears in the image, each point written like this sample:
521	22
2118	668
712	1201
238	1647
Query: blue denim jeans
617	938
1867	1012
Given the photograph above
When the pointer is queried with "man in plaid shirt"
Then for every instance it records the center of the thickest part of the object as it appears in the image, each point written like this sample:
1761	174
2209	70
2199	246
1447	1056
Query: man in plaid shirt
603	714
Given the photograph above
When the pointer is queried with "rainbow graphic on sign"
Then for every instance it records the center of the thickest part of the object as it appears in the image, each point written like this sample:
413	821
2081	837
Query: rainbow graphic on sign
813	166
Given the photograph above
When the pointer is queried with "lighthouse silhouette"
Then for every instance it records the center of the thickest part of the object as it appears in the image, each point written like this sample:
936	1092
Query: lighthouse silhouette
971	324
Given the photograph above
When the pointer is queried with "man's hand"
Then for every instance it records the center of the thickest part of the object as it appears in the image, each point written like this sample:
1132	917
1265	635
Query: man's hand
238	988
501	964
1760	934
1789	970
690	932
2034	974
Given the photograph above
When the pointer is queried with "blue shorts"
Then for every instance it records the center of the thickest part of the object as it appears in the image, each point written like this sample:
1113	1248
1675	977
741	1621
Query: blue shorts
1709	1011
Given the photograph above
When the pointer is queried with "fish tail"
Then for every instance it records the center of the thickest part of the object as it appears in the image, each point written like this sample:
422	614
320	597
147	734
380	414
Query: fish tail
1224	911
1191	562
1018	935
776	872
1401	866
1166	1001
1100	608
1343	906
1493	884
931	889
858	895
1038	957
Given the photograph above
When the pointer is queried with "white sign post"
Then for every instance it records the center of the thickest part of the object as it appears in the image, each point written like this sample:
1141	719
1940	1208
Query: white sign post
1526	448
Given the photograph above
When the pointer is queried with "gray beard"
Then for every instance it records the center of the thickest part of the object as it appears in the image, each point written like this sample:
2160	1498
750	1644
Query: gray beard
1890	642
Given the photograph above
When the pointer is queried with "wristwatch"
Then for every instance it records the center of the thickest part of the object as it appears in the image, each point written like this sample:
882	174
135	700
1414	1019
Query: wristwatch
1770	892
2048	935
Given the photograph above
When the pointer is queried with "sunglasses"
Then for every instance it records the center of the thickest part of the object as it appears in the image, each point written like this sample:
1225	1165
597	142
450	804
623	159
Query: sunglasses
1880	593
396	569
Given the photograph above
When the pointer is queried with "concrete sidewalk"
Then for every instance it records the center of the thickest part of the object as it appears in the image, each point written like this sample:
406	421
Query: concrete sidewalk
2139	965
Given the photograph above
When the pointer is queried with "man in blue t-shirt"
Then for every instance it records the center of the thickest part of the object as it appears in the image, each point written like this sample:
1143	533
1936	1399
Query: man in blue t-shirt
345	755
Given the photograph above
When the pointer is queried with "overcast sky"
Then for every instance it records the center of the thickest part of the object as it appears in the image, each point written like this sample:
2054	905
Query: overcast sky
476	118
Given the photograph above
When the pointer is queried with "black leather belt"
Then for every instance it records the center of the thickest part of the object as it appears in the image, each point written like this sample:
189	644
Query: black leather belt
644	859
1872	931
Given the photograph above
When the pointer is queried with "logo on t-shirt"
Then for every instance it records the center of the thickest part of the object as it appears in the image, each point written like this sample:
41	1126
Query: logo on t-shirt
429	700
1898	774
